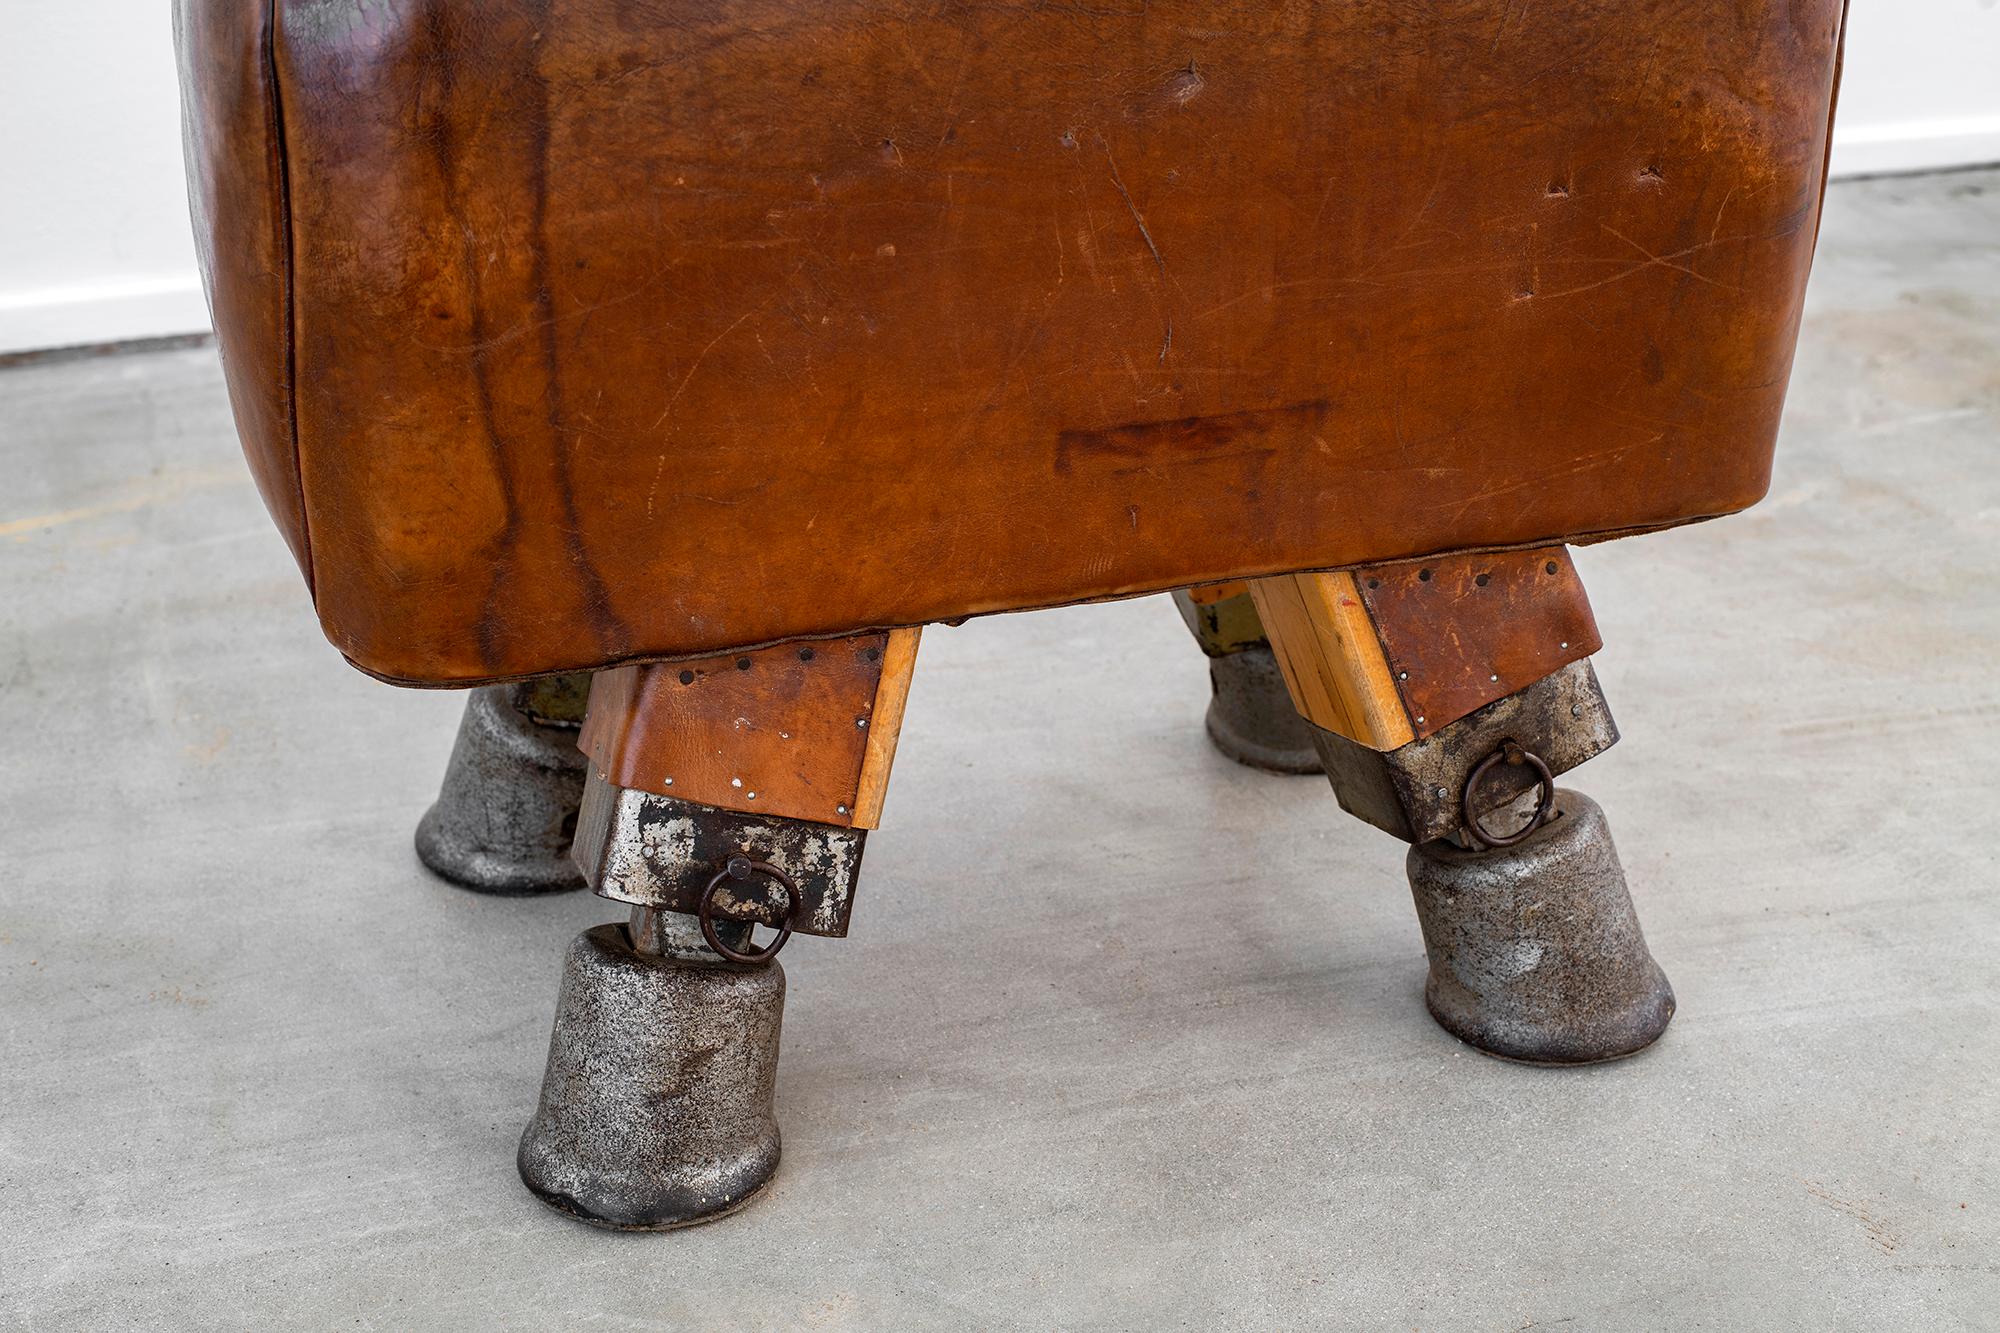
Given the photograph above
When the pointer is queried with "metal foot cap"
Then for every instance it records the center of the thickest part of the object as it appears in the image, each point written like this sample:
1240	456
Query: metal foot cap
1535	951
657	1110
1250	714
507	810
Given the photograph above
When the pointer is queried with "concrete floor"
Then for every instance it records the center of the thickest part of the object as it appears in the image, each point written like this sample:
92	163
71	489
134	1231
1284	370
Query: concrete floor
1126	1036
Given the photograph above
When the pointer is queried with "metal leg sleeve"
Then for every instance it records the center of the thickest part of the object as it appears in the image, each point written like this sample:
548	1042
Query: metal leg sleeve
657	1108
507	811
1251	717
1535	951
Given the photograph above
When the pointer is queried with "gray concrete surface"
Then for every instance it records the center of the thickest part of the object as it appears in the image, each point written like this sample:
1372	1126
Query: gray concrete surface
1126	1036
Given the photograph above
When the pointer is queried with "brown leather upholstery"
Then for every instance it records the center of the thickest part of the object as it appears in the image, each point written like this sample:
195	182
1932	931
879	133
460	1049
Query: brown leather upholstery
236	194
565	332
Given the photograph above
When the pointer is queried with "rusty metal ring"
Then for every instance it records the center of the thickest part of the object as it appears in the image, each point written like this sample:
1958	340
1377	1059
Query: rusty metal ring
742	868
1545	803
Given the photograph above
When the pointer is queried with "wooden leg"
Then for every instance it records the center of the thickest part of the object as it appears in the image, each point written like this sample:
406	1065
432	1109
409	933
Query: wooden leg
778	756
1393	653
1434	690
802	731
1412	674
736	791
1221	617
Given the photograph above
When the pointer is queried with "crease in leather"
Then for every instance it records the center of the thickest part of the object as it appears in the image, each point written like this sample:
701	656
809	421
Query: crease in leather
1832	114
241	234
274	102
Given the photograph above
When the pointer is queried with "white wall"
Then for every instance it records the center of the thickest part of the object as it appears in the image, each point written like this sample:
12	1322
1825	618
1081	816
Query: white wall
94	243
94	240
1922	86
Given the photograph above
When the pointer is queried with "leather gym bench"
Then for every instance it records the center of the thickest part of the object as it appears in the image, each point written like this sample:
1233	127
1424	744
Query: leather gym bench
658	370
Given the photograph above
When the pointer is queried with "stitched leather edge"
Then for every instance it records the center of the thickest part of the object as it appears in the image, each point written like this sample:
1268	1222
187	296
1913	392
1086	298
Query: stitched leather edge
642	659
281	180
1832	113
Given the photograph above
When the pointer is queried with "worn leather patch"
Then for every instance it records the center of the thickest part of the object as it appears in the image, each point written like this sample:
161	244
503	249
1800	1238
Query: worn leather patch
1462	631
780	731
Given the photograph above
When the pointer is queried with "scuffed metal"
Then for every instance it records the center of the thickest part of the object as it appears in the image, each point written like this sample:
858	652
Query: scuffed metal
1414	790
657	1107
655	851
1251	717
505	815
1535	951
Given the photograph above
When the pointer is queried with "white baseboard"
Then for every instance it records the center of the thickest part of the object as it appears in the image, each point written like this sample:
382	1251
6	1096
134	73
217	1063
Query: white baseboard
107	312
1915	145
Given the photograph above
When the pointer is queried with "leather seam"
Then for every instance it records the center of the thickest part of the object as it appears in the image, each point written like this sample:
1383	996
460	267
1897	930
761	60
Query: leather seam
1832	114
1590	538
282	178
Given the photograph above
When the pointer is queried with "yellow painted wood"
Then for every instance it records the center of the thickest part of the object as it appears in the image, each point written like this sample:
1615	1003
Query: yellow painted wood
1332	658
885	725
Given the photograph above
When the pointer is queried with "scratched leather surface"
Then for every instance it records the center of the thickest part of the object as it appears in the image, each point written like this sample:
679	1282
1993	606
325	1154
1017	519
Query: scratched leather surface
780	732
623	330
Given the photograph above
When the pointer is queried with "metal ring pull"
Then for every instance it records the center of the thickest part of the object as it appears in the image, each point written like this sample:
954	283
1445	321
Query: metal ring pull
742	869
1545	803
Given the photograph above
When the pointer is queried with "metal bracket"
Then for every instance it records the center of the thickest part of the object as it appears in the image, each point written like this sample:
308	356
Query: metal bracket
1418	791
655	851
